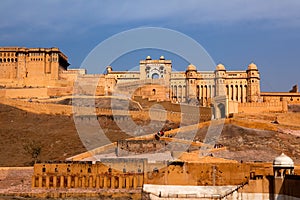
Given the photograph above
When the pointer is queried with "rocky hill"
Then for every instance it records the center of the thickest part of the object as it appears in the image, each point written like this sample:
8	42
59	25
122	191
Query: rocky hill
54	137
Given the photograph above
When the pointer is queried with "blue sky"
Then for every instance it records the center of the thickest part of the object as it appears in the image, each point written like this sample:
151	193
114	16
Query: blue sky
233	32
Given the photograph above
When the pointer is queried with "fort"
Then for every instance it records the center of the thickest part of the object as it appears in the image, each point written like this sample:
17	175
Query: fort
149	166
44	73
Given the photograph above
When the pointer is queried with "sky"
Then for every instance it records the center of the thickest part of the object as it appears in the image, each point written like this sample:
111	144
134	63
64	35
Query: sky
234	32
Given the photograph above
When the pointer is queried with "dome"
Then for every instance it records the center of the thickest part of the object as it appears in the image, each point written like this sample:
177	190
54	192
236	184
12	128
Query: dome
283	161
191	67
161	58
109	68
252	66
220	67
148	58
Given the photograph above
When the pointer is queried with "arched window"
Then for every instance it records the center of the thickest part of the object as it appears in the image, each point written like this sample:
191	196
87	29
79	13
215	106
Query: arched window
153	92
155	76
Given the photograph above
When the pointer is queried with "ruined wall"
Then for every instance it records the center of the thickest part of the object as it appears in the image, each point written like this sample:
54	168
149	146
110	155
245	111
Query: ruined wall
132	147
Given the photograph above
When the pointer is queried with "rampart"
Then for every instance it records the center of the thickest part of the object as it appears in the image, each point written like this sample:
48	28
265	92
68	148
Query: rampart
259	107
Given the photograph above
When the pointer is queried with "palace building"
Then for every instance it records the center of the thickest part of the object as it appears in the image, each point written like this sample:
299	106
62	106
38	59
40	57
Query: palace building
230	91
190	85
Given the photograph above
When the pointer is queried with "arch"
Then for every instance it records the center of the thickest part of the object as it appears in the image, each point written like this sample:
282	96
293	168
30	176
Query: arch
153	92
220	111
155	76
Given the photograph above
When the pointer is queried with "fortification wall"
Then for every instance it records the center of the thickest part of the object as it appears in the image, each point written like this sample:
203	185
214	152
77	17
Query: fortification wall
259	107
39	108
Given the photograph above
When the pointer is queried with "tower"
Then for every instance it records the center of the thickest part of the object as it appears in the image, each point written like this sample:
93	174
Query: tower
191	76
253	79
220	73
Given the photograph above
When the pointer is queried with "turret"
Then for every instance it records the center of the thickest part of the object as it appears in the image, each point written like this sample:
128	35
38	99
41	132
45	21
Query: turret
253	78
191	76
220	74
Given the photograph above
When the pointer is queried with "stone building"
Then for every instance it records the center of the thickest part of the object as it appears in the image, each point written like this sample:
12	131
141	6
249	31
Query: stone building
192	85
33	67
225	91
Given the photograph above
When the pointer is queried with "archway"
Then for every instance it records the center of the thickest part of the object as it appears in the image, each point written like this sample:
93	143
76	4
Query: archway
155	76
220	111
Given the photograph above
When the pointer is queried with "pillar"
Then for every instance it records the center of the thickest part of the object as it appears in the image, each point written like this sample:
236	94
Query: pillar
33	181
120	182
141	180
47	181
127	182
97	182
40	184
112	182
234	93
244	93
134	180
101	180
91	181
104	182
62	181
83	182
76	182
69	182
54	181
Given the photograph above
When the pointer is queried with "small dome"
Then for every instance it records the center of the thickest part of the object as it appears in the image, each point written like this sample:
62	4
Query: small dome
191	67
148	58
109	68
161	58
252	66
220	67
283	161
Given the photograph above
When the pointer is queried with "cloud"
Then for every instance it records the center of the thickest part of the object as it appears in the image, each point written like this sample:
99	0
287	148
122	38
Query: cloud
68	14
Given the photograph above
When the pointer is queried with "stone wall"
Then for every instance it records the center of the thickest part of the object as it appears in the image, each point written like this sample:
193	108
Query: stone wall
259	107
84	175
132	147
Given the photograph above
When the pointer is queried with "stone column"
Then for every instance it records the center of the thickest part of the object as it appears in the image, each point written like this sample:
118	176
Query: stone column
120	182
91	181
244	93
54	181
97	182
69	181
141	180
76	182
101	181
135	183
40	181
47	181
112	182
234	93
238	93
62	181
127	182
208	91
200	93
33	181
83	182
104	182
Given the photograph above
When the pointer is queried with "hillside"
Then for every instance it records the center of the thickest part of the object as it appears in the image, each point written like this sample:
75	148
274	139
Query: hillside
247	137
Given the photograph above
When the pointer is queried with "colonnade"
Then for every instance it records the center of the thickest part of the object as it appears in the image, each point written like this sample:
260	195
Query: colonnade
178	93
105	181
237	93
